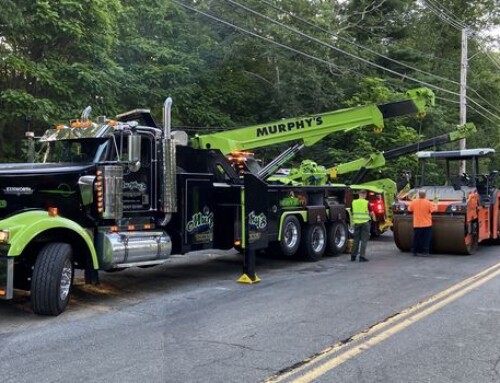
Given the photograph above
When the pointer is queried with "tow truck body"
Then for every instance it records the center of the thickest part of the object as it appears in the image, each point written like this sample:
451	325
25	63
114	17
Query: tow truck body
113	194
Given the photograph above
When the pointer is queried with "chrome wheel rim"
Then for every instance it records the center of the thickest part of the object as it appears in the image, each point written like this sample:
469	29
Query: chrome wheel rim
318	239
65	280
291	235
340	236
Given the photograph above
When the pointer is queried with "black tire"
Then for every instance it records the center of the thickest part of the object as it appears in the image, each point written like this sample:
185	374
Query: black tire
52	279
289	244
313	244
337	237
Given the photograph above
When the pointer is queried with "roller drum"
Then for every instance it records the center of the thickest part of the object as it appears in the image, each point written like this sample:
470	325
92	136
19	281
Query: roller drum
448	235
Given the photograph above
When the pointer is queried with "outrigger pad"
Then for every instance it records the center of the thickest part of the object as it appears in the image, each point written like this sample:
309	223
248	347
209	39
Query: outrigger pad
247	280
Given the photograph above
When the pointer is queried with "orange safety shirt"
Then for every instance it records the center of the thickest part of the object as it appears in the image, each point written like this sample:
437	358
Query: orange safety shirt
422	210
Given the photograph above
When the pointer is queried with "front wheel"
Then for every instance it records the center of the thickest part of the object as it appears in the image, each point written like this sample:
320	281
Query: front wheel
52	279
313	244
337	236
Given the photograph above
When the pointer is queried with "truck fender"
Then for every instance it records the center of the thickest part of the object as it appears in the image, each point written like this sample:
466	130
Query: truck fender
300	213
25	226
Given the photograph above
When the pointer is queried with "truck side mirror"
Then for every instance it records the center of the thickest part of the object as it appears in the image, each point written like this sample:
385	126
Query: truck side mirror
134	152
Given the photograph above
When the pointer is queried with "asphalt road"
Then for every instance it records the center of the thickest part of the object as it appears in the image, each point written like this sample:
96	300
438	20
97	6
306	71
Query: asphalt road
189	321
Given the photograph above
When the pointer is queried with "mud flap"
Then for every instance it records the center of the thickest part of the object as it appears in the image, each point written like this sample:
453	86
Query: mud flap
6	278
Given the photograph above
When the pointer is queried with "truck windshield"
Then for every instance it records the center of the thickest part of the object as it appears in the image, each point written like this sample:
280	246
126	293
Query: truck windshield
72	151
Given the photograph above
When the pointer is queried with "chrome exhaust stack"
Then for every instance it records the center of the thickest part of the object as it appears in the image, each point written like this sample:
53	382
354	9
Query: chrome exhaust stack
169	189
86	114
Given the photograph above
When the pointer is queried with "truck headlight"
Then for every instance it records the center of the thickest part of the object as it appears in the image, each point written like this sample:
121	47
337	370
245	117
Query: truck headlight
4	236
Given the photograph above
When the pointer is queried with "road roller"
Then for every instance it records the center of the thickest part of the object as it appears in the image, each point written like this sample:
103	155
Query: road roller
467	204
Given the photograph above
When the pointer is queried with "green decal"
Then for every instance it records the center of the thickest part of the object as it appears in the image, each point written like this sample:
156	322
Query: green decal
3	203
63	190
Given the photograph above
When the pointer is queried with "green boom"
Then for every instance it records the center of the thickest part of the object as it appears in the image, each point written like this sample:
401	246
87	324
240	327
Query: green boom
311	129
378	160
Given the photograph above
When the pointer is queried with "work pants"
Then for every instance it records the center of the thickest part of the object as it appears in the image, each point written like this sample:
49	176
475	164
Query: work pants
361	236
422	239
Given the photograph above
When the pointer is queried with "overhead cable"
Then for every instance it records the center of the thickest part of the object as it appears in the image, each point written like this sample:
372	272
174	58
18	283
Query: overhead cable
254	34
358	45
403	76
444	16
341	50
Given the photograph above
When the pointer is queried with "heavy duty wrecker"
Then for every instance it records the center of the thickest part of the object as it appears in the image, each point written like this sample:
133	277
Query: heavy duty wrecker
381	192
112	194
467	205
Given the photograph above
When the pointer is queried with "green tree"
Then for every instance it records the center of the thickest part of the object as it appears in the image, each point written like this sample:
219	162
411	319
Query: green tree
54	60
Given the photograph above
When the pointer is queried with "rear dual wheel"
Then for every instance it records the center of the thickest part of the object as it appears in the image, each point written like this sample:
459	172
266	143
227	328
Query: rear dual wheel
311	241
337	236
314	242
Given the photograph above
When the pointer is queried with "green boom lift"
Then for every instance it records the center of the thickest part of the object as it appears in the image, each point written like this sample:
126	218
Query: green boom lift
308	130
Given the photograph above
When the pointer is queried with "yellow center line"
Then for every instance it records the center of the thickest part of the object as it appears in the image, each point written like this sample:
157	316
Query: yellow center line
376	339
379	326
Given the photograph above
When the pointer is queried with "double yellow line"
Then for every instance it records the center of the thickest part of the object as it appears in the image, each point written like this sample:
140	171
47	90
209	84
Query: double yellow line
332	357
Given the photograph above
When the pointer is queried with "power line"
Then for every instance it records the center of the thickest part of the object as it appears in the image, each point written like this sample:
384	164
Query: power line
354	56
448	12
470	107
493	59
341	50
446	15
448	18
329	63
483	99
448	100
356	44
484	116
482	107
323	43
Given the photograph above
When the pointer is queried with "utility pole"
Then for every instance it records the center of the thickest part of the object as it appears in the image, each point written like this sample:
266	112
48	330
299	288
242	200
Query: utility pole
463	90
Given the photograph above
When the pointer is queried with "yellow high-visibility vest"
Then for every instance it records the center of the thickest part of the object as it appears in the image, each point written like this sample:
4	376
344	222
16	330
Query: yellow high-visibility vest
360	212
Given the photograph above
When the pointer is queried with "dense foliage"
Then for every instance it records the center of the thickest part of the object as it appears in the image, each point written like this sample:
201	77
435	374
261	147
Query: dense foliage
296	57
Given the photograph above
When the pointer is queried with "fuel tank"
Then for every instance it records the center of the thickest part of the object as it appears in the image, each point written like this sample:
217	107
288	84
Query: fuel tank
125	249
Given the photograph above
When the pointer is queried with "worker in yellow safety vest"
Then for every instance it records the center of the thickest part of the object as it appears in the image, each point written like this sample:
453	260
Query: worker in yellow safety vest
361	217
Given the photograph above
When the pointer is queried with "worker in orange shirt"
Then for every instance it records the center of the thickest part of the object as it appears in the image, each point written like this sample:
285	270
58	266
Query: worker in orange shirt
422	224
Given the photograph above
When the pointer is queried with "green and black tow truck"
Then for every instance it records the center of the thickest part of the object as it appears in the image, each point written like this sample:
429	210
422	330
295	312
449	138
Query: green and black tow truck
113	194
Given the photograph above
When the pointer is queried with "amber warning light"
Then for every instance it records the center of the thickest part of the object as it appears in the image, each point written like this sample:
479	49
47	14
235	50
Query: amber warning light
53	211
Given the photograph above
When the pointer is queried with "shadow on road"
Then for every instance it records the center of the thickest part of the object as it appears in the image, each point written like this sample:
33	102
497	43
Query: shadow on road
135	284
